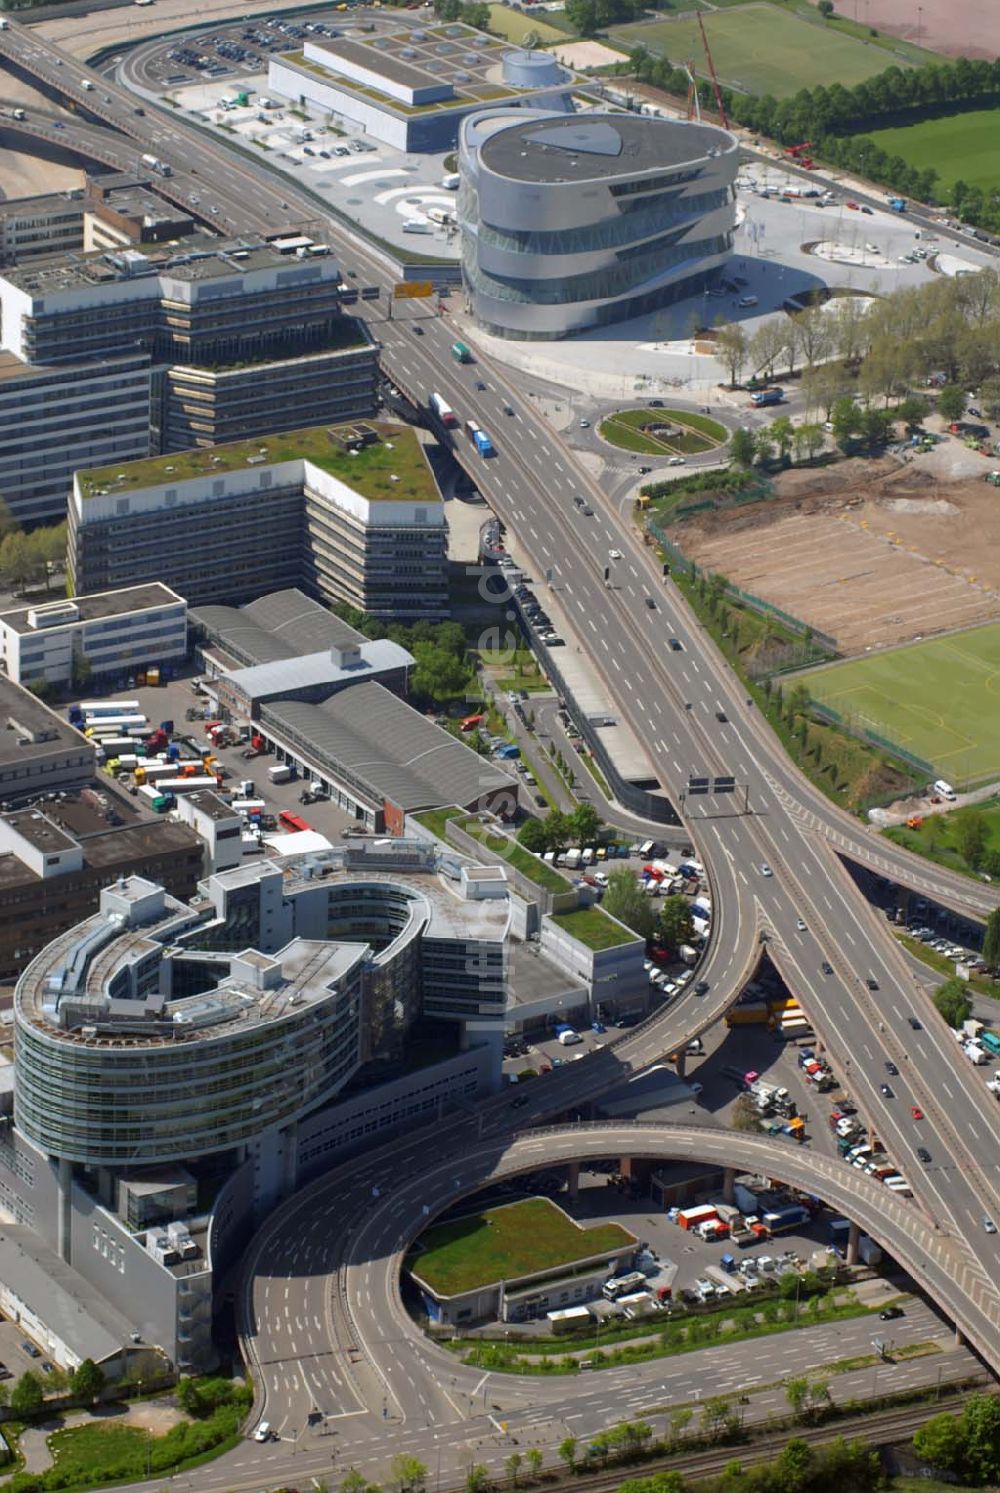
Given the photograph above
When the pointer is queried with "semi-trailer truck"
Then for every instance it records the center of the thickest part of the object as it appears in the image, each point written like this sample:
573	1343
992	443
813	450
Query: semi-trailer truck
155	164
443	411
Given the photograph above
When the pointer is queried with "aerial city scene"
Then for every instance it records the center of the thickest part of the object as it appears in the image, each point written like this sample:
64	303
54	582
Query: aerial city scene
500	768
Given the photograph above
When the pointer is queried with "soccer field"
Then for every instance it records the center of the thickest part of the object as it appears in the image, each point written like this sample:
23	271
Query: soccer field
939	700
962	145
763	49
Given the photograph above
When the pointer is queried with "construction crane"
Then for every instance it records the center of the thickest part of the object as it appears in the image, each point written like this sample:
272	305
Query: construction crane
711	72
693	101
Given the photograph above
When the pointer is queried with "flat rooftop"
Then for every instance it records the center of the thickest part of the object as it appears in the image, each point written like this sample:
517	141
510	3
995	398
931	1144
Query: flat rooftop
211	805
396	454
280	625
508	1243
314	671
22	716
114	849
451	55
91	608
68	1304
592	147
198	259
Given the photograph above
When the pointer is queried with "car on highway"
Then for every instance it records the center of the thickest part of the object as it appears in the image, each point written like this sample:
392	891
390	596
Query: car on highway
480	385
765	869
584	424
989	1225
580	500
520	1102
891	1313
871	983
614	554
676	645
800	925
916	1025
701	987
418	331
587	511
826	967
890	1067
867	211
917	1114
886	1091
508	409
722	717
923	1154
676	461
651	603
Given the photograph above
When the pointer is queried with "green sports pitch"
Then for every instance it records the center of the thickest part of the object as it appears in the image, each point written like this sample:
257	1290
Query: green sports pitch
764	49
960	145
939	700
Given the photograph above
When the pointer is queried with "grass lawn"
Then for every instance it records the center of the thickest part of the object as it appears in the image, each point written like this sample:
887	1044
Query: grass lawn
936	839
436	819
515	26
515	855
593	927
962	145
764	48
945	967
933	699
624	429
506	1243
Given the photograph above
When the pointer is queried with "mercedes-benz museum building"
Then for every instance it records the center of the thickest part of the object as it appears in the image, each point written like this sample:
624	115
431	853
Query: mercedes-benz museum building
575	222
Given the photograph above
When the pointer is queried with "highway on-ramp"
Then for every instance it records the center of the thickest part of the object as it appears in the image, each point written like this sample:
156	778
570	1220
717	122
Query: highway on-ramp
674	702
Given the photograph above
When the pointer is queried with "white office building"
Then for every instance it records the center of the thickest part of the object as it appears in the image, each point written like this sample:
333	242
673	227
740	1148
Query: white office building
111	633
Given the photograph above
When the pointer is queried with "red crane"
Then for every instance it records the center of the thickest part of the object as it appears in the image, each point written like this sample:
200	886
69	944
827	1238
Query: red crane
711	72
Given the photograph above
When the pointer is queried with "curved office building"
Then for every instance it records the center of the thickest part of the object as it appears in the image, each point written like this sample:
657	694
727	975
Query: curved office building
574	222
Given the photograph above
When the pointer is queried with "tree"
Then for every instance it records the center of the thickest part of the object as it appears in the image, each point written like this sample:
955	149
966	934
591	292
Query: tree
567	1452
793	1469
875	427
477	1479
940	1442
744	1114
912	411
952	1001
534	1457
512	1465
88	1380
584	824
27	1397
676	924
763	445
741	447
767	345
825	8
627	902
533	835
797	1395
353	1481
951	402
731	348
408	1474
582	16
989	397
845	418
16	559
717	1417
970	837
981	1434
783	434
437	674
991	940
680	1418
809	439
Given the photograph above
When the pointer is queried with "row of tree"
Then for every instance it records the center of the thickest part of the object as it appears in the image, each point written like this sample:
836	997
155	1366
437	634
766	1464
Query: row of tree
882	347
443	671
966	1446
834	118
666	920
28	559
558	830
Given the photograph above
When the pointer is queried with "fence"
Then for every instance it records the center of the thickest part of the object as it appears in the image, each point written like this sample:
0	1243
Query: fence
824	644
833	717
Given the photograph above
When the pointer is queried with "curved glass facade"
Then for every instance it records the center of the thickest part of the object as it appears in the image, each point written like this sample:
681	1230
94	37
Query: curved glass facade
573	224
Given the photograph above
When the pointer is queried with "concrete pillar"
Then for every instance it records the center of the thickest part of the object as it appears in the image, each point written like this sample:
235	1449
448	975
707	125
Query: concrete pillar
681	1064
64	1221
959	1338
625	1167
573	1179
729	1184
853	1236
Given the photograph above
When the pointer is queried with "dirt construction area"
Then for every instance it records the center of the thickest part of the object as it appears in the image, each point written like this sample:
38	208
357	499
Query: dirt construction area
872	553
965	28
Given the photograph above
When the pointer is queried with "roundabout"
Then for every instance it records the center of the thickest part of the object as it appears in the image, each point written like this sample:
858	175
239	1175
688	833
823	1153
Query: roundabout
654	431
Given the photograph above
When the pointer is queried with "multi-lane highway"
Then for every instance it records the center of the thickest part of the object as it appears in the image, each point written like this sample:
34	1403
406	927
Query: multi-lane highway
808	908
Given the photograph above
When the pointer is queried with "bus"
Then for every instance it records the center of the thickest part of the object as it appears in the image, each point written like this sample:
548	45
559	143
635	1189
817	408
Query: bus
990	1041
461	353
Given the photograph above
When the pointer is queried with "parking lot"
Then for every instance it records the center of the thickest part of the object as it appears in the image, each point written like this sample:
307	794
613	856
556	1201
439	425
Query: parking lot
219	76
15	1357
174	699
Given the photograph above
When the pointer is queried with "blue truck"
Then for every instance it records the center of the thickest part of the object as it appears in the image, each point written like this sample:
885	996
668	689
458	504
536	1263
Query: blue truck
767	396
898	204
479	438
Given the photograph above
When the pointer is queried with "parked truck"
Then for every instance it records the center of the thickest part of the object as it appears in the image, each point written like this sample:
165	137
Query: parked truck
281	772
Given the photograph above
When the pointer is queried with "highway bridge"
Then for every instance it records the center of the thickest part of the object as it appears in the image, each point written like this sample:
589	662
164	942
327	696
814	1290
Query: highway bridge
672	700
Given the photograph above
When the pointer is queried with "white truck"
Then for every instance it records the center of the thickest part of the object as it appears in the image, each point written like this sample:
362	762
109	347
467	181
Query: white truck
281	772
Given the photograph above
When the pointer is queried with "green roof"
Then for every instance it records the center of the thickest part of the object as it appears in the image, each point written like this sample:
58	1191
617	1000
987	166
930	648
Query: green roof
464	96
397	453
593	927
506	1243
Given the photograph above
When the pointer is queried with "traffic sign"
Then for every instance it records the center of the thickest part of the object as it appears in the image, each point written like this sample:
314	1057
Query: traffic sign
697	785
724	785
412	290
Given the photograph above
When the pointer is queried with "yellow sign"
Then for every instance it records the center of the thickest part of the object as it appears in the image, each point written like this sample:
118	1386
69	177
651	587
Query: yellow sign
414	290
